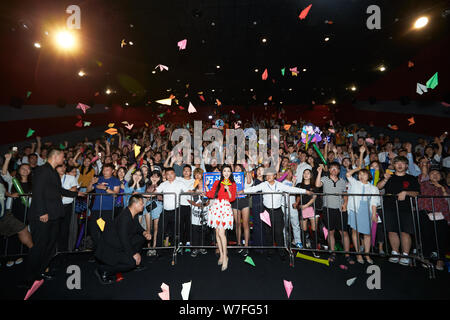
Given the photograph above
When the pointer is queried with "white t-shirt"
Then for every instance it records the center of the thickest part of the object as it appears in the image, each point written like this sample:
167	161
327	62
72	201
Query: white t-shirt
67	182
171	200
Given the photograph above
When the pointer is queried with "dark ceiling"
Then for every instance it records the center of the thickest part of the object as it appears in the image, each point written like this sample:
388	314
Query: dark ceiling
227	33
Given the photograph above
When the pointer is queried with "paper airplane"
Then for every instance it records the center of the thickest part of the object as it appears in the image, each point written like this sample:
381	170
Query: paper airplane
162	67
125	122
161	128
293	69
79	124
83	107
249	260
33	289
182	44
218	102
351	281
122	43
191	108
30	133
420	89
146	124
288	287
28	94
445	104
202	97
110	125
294	74
129	126
265	217
111	131
433	81
181	107
343	267
393	127
411	121
101	224
185	290
264	75
410	64
287	127
325	232
282	71
86	123
137	150
165	294
165	101
304	12
370	140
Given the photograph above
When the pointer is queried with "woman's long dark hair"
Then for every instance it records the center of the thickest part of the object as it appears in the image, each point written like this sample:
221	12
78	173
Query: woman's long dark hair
90	167
141	183
222	178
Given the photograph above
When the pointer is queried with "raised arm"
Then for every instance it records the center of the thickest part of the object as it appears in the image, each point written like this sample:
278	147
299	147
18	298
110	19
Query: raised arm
6	164
39	145
319	176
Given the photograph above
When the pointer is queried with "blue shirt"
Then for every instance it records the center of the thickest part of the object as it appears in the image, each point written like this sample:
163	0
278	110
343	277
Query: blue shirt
106	201
131	190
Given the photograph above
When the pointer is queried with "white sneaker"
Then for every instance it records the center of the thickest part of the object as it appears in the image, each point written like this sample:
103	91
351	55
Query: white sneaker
394	259
404	261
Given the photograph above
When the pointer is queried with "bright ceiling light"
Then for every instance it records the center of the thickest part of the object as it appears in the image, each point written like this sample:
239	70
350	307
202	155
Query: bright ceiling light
381	68
81	73
153	71
421	22
264	40
37	44
65	40
304	70
327	38
108	91
218	67
353	88
209	117
333	101
256	70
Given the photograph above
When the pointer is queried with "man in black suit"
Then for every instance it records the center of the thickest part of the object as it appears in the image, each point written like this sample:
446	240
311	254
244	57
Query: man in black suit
121	241
45	211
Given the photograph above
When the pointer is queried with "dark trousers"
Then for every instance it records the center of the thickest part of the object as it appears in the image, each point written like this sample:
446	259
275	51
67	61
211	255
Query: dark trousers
257	235
276	231
94	229
200	235
64	228
166	227
185	224
434	235
45	236
125	263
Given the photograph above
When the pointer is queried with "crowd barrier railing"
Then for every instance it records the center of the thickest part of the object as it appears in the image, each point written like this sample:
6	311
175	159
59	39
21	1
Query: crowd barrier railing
197	235
185	229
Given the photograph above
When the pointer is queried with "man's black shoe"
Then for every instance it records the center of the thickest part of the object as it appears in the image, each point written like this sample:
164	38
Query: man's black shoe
47	276
25	285
103	277
140	268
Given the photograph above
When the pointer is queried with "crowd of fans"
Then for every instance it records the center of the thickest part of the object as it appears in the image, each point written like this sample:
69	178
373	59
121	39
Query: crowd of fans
357	162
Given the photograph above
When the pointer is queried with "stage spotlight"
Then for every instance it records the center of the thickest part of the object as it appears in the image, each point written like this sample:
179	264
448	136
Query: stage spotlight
382	68
81	73
218	67
209	117
256	70
37	44
304	70
353	88
65	40
327	38
333	101
421	22
108	91
153	71
263	40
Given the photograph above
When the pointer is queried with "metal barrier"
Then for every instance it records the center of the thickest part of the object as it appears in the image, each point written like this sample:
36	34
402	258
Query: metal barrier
83	233
199	234
427	229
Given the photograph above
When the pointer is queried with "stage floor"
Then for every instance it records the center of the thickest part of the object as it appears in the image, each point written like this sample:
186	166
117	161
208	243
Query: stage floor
241	281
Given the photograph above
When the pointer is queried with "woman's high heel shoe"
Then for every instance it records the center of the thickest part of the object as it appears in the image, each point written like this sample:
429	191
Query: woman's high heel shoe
219	263
225	264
